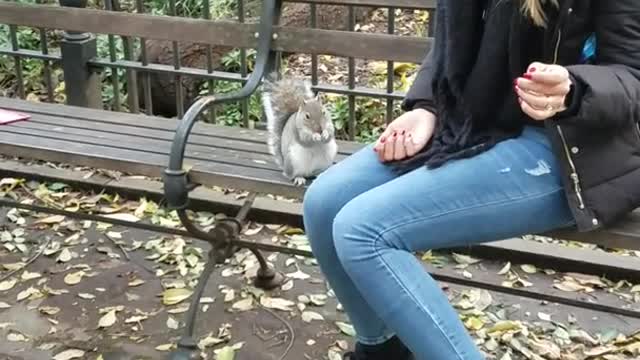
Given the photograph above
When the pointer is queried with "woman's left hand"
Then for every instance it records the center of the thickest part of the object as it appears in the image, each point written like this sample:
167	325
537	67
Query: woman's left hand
542	91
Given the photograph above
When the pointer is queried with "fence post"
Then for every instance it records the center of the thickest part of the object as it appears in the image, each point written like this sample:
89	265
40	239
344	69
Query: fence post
82	84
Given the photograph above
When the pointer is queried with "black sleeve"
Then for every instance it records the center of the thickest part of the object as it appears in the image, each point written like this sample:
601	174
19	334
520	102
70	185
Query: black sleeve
420	94
609	91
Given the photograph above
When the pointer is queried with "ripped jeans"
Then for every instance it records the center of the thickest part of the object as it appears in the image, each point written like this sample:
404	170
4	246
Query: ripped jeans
364	222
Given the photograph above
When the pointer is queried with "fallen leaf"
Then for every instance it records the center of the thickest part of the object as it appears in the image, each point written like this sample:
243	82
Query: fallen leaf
243	305
26	275
31	293
287	286
544	317
136	282
86	296
529	269
254	231
505	269
346	328
172	323
277	303
74	278
16	337
4	305
209	341
108	319
135	319
49	310
474	323
465	259
7	284
175	296
226	353
299	275
334	355
229	295
164	347
55	219
309	316
64	256
123	217
506	325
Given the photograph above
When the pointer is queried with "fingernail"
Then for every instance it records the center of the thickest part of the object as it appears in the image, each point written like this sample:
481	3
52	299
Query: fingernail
395	134
519	100
382	140
515	82
402	133
532	69
516	88
527	76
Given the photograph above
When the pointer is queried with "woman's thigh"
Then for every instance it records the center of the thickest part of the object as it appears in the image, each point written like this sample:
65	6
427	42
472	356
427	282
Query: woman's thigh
342	182
513	189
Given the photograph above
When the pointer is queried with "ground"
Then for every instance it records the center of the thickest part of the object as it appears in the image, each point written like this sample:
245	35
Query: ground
75	289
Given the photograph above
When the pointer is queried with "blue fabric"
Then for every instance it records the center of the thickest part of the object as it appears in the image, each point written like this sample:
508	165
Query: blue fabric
365	222
589	50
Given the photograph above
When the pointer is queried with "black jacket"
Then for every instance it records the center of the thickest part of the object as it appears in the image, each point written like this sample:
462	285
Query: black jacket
598	139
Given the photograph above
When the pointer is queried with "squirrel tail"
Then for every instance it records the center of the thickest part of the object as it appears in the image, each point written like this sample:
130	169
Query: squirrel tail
281	99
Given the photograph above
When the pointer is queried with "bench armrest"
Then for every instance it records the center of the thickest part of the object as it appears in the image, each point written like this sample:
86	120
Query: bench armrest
176	183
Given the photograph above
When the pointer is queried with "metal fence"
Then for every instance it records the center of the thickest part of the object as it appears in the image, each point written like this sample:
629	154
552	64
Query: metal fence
138	70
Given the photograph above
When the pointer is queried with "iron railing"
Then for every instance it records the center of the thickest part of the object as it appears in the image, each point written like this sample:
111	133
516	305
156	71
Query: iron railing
127	62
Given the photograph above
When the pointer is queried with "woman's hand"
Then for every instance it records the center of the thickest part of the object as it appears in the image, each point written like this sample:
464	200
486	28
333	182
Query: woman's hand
542	91
406	135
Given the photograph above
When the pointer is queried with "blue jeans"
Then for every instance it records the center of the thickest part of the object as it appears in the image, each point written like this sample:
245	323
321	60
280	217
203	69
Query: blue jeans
364	221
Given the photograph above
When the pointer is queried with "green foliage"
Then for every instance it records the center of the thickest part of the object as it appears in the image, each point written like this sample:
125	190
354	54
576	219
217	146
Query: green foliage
370	116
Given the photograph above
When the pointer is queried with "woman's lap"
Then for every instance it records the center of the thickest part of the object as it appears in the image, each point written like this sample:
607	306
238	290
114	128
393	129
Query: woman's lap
517	183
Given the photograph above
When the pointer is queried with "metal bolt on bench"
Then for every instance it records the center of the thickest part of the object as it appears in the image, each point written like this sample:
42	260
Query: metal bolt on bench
223	237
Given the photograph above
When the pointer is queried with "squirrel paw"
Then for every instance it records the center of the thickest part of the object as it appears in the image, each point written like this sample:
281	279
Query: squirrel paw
299	181
316	137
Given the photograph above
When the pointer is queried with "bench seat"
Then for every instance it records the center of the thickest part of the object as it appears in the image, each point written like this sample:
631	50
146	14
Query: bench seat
140	144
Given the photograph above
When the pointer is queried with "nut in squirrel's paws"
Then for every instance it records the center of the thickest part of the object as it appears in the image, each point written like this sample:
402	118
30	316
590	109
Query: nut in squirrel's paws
316	137
299	181
325	135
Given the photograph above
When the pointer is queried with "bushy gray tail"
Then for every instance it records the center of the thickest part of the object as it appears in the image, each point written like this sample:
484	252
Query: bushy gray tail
281	99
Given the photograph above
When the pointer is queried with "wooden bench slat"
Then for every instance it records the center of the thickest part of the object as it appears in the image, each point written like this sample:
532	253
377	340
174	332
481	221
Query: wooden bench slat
197	143
201	153
224	33
144	122
148	164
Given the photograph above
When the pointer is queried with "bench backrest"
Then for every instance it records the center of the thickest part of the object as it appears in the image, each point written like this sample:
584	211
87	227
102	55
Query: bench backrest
389	47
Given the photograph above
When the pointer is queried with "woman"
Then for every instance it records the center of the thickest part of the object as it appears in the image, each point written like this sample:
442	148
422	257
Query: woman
512	127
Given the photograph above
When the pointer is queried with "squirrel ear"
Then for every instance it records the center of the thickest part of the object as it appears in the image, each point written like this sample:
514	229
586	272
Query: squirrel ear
305	101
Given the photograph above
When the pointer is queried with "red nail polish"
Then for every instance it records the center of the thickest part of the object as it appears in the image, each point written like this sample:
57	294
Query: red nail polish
519	100
516	88
527	76
382	140
402	133
395	134
515	82
532	70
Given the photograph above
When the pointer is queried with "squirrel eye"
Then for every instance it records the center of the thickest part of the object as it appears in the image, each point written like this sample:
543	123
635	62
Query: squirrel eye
306	116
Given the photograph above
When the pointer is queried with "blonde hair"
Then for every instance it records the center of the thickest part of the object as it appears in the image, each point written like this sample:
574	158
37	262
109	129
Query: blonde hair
534	9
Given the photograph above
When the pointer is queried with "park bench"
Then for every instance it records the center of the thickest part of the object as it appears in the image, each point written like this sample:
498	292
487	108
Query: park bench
185	153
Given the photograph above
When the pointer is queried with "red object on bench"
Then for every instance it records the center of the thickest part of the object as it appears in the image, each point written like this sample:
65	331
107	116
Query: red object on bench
8	117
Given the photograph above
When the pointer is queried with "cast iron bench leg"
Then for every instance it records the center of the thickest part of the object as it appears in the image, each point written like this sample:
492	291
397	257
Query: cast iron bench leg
177	185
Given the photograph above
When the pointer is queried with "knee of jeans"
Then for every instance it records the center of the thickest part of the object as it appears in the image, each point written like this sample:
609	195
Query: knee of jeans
354	236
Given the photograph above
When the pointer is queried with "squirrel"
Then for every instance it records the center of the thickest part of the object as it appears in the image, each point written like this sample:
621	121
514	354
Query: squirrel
301	137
